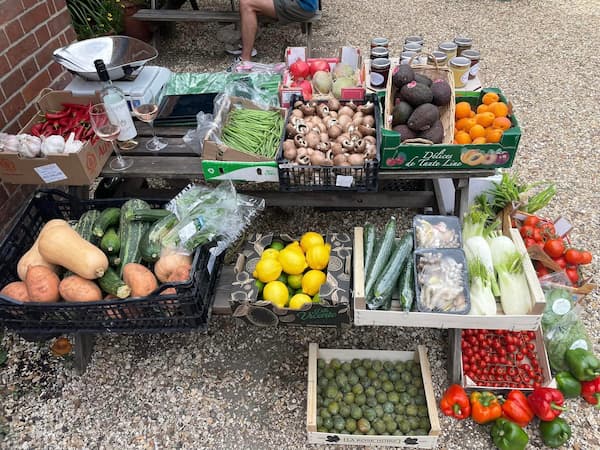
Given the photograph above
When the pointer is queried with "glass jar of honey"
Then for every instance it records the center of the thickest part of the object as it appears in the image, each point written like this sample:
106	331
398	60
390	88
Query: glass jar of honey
380	42
474	56
406	56
449	48
379	52
462	43
417	39
437	56
459	65
380	70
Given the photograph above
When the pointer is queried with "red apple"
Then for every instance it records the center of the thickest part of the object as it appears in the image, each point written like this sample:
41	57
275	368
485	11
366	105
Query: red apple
317	65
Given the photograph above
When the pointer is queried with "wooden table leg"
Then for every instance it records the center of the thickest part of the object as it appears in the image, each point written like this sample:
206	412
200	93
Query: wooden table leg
461	196
454	355
84	345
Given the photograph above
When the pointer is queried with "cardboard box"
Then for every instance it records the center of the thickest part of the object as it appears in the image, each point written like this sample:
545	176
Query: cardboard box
220	152
348	55
74	169
318	437
257	172
332	311
448	156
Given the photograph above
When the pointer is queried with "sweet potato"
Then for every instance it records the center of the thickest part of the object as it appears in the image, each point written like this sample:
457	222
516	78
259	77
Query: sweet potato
140	279
17	290
42	284
181	273
78	289
165	266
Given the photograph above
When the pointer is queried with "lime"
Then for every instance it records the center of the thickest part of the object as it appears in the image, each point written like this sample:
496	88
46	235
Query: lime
316	298
260	285
283	278
295	281
277	245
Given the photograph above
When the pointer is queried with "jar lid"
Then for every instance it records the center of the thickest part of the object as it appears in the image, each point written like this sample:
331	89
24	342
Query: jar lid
380	42
448	45
380	63
463	41
438	56
407	54
379	52
415	38
460	61
471	54
413	47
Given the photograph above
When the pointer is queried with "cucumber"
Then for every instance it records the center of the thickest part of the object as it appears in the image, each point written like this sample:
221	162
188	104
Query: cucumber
108	218
150	243
110	242
130	233
369	237
382	293
380	257
112	284
406	285
147	214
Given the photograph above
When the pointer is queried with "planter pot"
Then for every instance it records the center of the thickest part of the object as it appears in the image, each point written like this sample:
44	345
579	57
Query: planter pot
133	27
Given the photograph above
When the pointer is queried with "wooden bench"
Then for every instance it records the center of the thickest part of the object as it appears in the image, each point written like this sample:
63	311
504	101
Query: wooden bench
177	15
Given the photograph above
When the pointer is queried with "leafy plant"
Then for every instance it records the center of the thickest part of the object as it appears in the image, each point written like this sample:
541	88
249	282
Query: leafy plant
93	18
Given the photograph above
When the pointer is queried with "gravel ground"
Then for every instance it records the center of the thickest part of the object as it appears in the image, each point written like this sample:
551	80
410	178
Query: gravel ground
241	387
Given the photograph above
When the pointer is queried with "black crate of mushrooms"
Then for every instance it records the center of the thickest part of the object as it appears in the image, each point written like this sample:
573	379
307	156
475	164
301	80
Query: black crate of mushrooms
332	133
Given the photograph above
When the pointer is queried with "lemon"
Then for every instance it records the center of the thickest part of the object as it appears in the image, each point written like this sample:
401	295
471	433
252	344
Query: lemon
295	246
277	245
292	261
312	281
277	293
298	300
267	270
310	239
294	281
317	256
270	253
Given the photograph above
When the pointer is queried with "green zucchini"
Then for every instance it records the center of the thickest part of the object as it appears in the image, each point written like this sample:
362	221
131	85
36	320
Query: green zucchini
130	233
114	260
85	225
108	218
380	257
112	284
382	292
150	244
147	214
369	238
406	285
110	242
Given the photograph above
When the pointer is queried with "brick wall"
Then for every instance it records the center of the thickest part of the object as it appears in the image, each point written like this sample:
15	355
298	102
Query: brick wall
30	30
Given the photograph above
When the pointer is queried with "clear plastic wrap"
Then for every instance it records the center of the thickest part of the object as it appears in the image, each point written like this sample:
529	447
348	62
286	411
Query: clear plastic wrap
207	126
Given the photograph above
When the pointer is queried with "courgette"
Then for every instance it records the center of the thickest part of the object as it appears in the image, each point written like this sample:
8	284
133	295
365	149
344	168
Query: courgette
380	257
85	225
147	214
114	260
382	293
150	244
369	237
406	285
130	233
112	284
108	218
110	242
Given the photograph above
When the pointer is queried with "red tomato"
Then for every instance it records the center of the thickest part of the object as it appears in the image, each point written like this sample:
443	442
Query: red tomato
573	256
572	274
554	247
529	242
586	257
538	236
547	228
561	261
526	231
531	221
542	271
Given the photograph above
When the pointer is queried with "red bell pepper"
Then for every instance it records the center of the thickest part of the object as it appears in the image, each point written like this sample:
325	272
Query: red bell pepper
590	390
455	402
516	408
546	403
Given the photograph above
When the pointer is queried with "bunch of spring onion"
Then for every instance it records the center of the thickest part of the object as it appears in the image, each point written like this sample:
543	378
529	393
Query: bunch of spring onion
253	131
510	190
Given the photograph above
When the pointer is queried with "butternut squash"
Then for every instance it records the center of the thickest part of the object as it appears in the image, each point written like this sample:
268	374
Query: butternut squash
63	246
32	256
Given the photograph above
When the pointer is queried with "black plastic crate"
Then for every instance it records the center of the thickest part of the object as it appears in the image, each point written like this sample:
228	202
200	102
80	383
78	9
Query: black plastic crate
189	308
295	178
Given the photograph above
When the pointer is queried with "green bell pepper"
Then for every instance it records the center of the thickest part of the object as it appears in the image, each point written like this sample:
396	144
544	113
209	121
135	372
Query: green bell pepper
583	364
568	385
508	435
555	433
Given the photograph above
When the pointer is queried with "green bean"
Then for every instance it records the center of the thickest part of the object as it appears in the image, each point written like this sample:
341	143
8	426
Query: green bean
253	131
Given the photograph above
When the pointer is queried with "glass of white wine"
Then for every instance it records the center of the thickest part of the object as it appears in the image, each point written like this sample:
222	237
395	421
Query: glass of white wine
147	112
109	132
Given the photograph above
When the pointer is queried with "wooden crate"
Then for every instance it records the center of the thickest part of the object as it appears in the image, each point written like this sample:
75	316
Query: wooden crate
420	356
364	316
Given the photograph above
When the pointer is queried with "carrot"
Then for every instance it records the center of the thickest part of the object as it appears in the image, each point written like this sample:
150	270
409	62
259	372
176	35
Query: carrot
42	284
140	279
78	289
16	290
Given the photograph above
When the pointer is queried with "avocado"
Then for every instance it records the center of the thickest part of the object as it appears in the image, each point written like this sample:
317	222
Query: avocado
423	117
405	132
401	113
442	92
416	93
434	134
404	74
423	79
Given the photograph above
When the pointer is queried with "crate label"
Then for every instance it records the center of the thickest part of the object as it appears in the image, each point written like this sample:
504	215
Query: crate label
562	226
561	306
50	173
344	180
187	232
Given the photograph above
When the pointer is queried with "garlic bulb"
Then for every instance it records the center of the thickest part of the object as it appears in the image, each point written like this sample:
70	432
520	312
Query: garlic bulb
28	146
72	145
8	143
52	145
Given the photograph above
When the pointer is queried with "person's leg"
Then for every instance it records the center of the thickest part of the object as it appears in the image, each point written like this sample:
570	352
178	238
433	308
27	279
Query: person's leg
249	11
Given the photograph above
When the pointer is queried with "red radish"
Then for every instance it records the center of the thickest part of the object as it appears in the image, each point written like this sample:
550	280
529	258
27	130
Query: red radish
300	69
318	65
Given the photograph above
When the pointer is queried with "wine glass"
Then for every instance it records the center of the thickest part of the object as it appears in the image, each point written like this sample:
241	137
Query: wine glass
109	132
147	113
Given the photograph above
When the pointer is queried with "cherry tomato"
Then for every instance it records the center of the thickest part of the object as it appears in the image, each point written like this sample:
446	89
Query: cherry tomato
541	271
531	335
573	256
526	231
586	257
531	221
554	247
572	274
538	235
547	228
561	261
519	356
466	367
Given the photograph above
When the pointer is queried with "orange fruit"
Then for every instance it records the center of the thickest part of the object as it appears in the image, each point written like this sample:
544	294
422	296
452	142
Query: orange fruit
499	109
477	131
463	109
472	114
493	134
469	123
479	140
485	119
462	137
490	97
502	122
482	108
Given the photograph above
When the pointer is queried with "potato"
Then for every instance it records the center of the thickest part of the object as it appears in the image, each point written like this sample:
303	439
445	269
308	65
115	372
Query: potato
165	266
181	273
42	284
140	279
78	289
17	290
